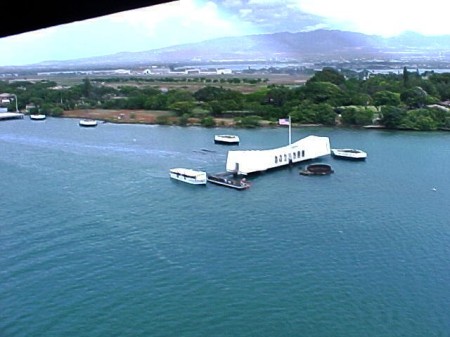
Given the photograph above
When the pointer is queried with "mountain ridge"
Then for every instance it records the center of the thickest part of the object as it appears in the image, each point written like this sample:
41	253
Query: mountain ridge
280	46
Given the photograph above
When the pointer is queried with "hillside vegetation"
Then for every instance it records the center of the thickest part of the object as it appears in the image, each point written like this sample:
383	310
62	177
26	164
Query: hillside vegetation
404	101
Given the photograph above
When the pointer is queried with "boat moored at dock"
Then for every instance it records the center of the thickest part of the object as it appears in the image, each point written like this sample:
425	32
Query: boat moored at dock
10	115
349	154
189	176
227	180
226	139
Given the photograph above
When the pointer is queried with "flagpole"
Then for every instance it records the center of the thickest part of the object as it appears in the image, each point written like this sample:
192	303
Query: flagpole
290	137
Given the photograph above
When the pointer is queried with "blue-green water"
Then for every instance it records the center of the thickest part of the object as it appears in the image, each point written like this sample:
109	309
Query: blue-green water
97	240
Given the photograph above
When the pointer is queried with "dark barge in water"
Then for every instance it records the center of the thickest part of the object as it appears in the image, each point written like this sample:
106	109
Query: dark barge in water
317	170
228	180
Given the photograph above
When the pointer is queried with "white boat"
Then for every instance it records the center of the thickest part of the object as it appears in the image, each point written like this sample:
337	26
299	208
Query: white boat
189	176
351	154
226	139
88	122
38	117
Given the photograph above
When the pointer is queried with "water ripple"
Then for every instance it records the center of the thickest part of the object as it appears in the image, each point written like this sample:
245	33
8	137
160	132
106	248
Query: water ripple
97	240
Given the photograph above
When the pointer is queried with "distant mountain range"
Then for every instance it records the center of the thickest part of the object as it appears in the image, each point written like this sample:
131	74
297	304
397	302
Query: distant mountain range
309	46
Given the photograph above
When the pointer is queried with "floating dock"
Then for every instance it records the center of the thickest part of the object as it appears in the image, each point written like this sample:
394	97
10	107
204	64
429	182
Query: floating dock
227	179
10	115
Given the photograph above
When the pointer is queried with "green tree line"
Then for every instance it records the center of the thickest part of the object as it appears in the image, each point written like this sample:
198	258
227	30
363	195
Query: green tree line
397	101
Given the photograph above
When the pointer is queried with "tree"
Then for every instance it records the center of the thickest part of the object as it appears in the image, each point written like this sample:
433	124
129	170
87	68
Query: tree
385	97
405	77
248	121
51	110
354	116
208	122
328	75
157	102
136	102
304	113
389	82
258	96
419	119
210	93
414	98
352	98
391	117
216	108
310	113
86	88
325	114
323	92
277	95
182	107
183	120
441	83
174	96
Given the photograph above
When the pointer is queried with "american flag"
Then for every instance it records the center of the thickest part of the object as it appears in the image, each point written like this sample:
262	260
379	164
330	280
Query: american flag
283	121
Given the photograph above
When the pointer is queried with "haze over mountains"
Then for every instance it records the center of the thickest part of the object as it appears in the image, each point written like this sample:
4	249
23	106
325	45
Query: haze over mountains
312	46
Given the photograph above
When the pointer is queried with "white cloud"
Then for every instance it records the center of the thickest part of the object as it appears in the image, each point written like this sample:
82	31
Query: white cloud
188	13
315	27
159	26
188	21
383	17
245	12
231	3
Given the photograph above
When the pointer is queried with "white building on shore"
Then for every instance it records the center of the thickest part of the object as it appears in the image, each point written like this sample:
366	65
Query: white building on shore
154	70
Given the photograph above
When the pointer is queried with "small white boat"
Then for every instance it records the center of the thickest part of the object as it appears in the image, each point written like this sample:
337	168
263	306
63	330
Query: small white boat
38	117
351	154
88	122
188	176
226	139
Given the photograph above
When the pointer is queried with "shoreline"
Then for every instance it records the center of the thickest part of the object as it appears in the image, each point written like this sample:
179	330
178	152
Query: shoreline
150	117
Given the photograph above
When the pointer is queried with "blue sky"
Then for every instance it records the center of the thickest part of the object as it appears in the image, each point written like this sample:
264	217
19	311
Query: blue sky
188	21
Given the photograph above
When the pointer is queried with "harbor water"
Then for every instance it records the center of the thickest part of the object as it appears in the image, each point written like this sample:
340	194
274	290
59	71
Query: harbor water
97	240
